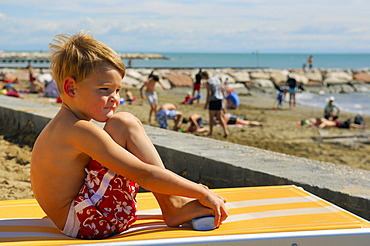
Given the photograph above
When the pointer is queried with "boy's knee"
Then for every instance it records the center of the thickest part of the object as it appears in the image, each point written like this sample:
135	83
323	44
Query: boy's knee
122	120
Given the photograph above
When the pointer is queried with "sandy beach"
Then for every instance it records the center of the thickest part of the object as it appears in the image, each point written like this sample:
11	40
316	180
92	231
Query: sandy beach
279	134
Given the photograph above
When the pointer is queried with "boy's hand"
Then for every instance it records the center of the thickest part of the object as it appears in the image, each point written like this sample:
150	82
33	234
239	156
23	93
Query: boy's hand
217	204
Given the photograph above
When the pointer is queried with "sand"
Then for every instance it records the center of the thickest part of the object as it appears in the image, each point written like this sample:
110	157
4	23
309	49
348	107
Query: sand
279	134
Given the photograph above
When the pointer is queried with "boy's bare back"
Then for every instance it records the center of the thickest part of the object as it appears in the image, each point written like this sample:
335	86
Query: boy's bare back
70	140
57	171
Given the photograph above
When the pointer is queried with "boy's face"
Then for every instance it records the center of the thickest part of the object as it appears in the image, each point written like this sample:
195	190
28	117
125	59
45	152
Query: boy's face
97	96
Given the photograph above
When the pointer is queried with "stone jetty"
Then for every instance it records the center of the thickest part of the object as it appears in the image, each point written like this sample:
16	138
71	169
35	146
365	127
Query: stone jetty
263	80
34	56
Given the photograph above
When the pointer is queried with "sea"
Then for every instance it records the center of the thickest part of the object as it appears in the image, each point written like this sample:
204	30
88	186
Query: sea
351	102
256	60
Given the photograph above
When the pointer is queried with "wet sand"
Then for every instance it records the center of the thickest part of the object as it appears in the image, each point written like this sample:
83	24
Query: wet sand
279	134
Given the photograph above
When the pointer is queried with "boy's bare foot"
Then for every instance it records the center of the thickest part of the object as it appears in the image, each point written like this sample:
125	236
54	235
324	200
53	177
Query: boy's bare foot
179	210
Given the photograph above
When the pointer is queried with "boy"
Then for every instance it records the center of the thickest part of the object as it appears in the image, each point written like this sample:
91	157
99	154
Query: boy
151	94
280	98
84	177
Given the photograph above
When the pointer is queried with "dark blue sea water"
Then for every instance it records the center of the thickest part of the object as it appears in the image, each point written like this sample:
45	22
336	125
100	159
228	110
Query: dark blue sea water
239	60
243	60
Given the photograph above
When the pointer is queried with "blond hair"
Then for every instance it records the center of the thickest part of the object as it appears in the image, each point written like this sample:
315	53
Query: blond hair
78	56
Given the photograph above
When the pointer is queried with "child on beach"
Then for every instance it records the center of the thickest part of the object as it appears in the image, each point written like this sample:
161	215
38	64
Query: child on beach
280	98
85	177
151	94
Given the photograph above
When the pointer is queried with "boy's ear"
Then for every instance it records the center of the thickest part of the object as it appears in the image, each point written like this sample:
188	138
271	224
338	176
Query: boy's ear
69	86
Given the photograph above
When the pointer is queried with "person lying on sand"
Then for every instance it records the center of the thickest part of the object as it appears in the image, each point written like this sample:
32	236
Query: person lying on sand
322	123
196	124
234	120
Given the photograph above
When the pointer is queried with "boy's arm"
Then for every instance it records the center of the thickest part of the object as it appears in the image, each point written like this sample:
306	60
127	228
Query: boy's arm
208	96
194	121
98	144
141	89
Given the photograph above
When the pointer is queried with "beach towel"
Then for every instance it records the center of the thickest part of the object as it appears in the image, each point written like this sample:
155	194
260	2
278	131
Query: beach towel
265	215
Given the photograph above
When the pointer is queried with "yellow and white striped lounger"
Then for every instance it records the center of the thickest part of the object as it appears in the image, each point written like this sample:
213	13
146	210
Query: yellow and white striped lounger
271	215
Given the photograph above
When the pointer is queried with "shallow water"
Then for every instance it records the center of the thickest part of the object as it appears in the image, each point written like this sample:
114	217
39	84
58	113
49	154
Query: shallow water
358	103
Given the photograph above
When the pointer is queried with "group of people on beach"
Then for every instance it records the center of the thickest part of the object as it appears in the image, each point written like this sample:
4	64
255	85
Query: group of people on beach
39	83
219	98
330	118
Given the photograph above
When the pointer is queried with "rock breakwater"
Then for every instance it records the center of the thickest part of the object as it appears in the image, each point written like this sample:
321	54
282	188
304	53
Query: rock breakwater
264	80
245	80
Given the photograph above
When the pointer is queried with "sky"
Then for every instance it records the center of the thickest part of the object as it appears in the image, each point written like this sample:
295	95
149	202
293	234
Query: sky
222	26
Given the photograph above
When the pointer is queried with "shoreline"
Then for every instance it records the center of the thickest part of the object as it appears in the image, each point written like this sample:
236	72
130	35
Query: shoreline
271	97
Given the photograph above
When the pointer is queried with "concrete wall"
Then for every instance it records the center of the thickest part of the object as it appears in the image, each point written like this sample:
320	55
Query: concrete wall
220	164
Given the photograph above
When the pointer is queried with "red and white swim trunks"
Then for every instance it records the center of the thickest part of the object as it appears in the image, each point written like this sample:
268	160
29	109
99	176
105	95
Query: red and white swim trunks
105	205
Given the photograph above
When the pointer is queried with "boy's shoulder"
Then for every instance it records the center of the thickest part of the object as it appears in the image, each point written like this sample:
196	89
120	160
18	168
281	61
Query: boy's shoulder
84	126
71	127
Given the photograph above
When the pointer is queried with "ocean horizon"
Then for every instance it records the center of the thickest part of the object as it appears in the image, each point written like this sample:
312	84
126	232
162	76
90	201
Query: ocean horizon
256	60
241	60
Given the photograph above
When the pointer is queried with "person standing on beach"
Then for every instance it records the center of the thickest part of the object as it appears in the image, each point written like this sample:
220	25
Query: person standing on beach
197	84
310	62
292	84
214	103
151	94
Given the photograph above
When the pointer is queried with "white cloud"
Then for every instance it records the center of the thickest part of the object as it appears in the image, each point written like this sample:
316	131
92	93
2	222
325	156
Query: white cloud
213	25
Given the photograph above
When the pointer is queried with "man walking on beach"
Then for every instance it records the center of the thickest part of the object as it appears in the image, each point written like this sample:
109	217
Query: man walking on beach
151	94
214	101
292	84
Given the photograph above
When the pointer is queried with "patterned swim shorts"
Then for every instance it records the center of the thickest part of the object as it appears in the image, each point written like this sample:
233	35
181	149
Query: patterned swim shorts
105	205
